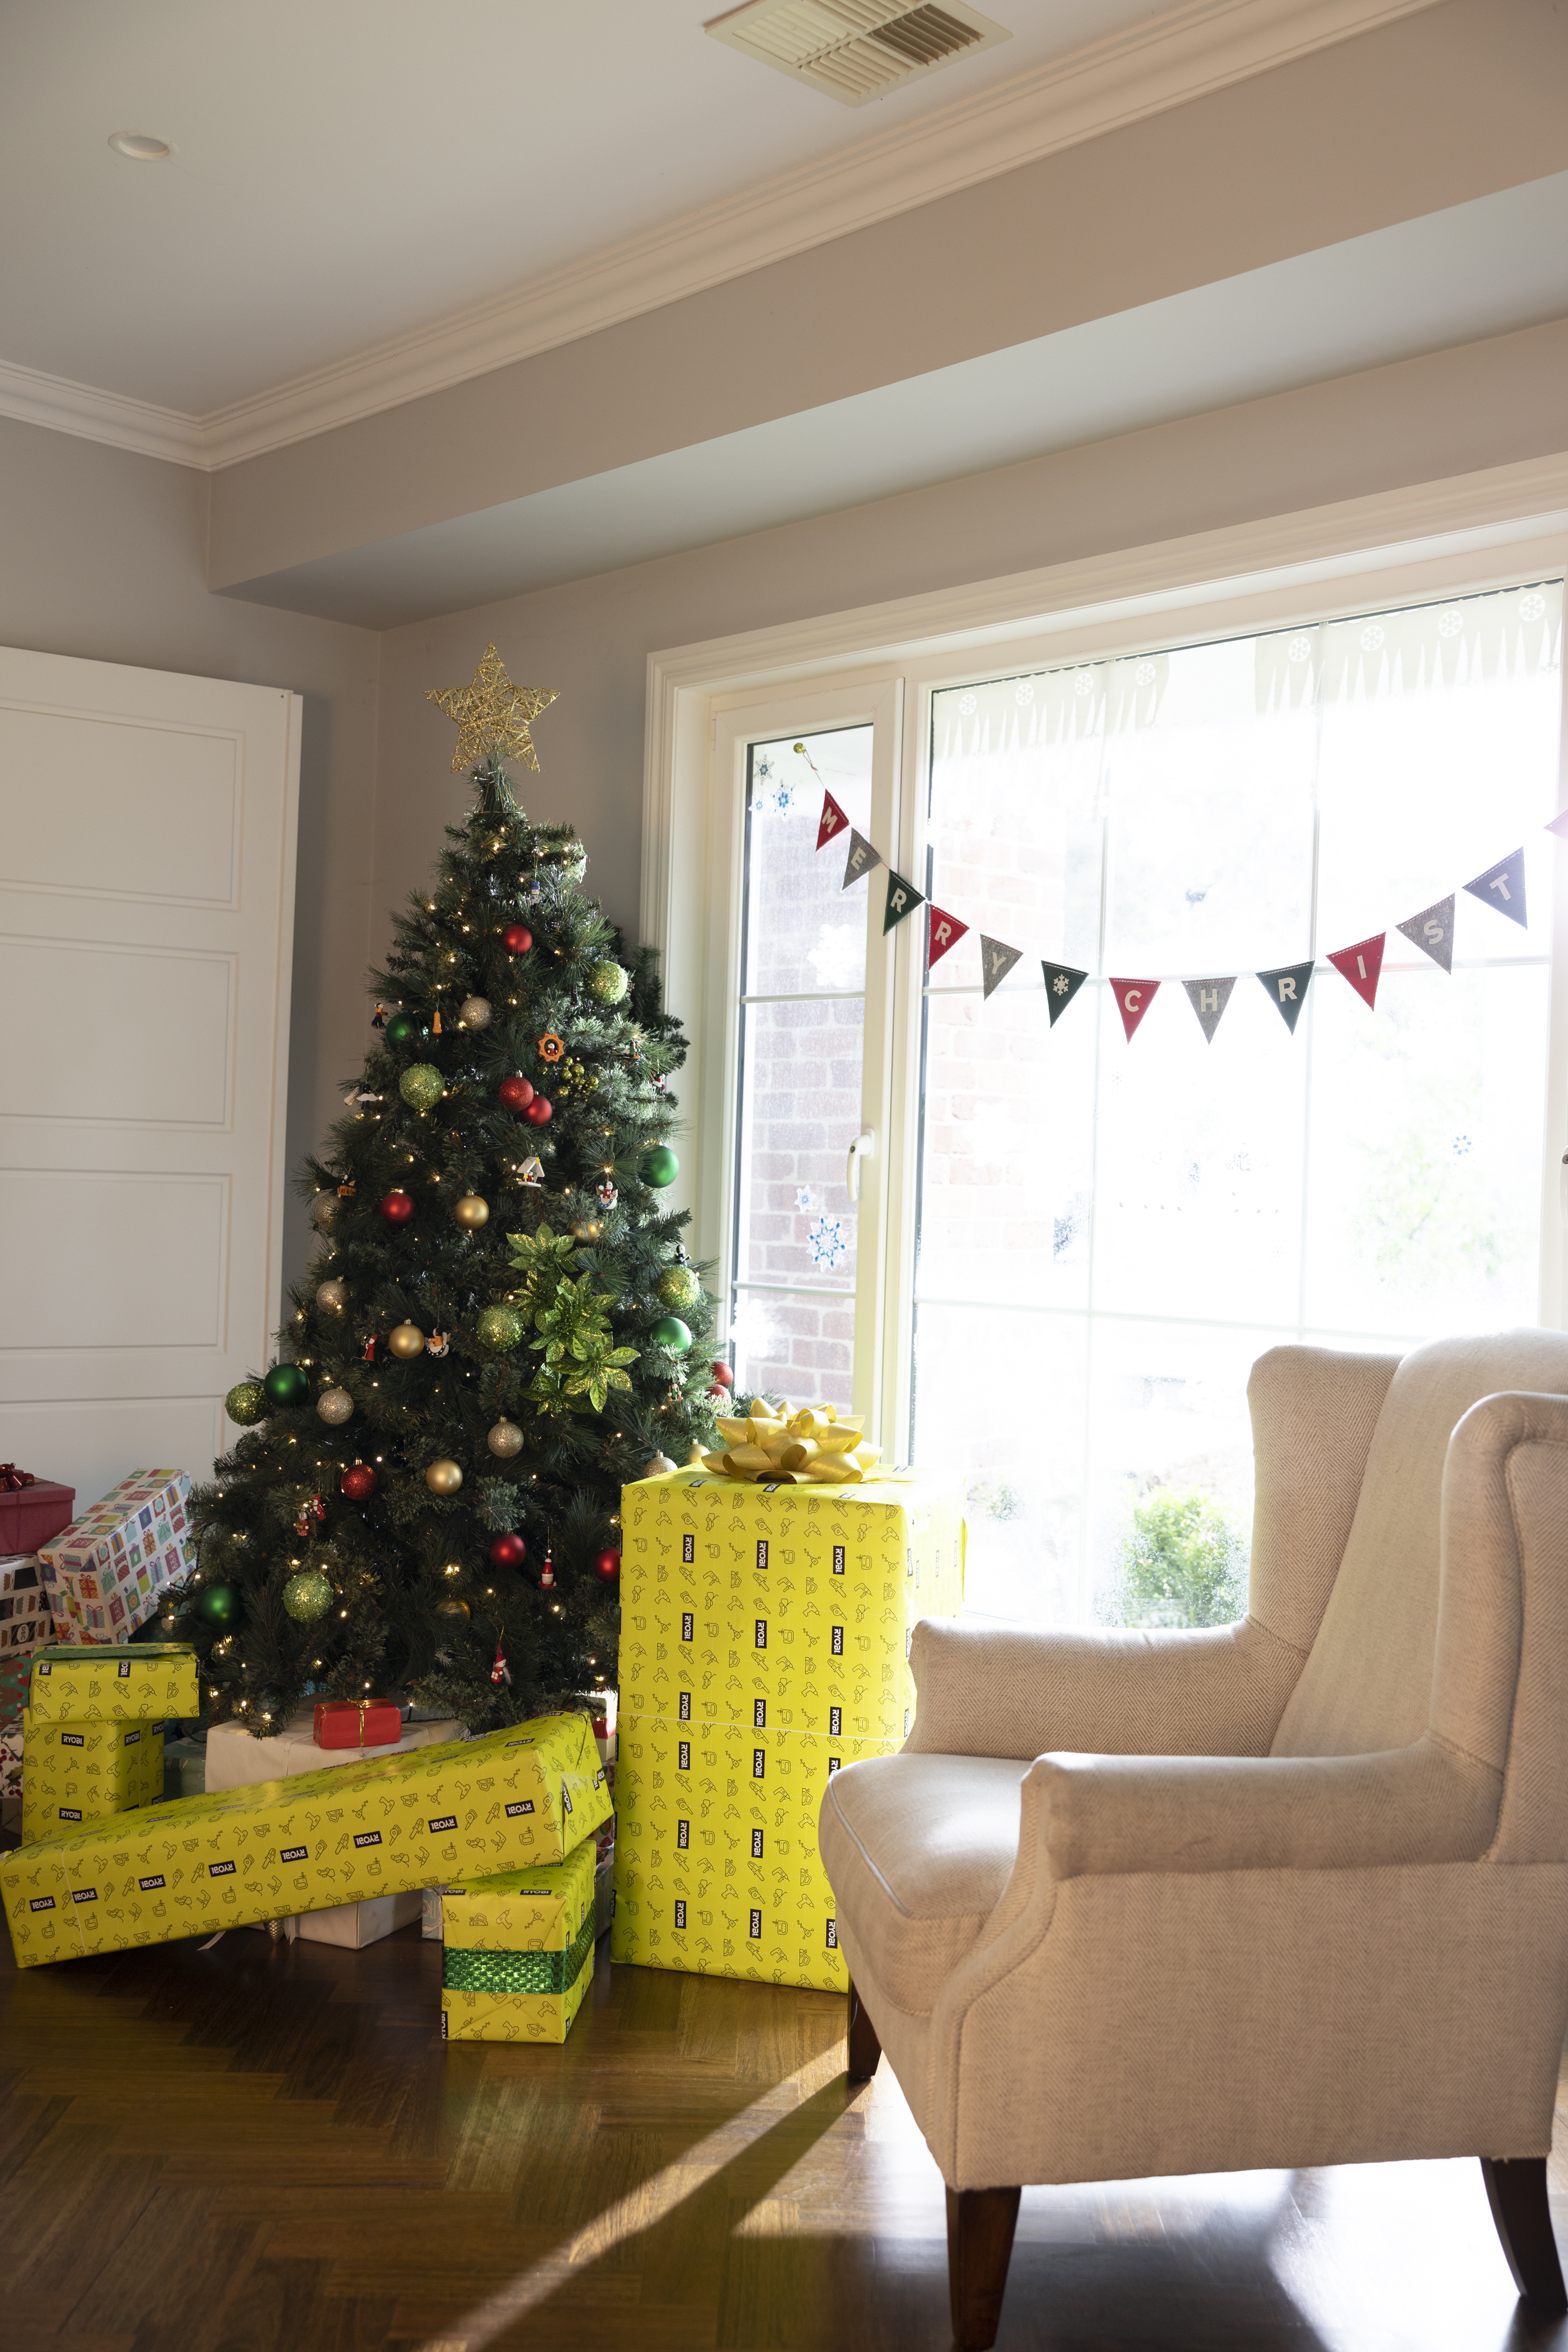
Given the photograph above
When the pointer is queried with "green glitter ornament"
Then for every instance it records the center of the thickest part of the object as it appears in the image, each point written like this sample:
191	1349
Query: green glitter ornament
679	1287
670	1332
607	984
245	1402
660	1167
498	1328
308	1595
421	1086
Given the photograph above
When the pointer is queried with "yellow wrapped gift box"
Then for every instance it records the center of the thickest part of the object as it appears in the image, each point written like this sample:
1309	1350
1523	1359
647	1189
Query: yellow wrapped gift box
383	1827
83	1772
518	1955
765	1642
140	1682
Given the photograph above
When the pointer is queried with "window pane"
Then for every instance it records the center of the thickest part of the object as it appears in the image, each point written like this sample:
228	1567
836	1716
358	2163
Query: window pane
800	1348
803	929
800	1111
1367	1178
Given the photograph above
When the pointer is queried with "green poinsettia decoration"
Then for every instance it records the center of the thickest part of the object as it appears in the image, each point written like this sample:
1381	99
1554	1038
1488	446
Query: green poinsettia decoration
542	1259
581	1357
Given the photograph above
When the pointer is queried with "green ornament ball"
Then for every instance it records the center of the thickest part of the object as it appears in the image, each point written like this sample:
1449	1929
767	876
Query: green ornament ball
404	1029
660	1167
679	1287
670	1332
245	1402
421	1086
607	984
498	1328
218	1604
287	1384
307	1595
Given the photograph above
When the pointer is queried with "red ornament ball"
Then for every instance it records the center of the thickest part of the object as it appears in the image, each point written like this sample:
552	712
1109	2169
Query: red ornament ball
538	1111
517	938
516	1093
357	1482
397	1207
509	1551
607	1564
723	1377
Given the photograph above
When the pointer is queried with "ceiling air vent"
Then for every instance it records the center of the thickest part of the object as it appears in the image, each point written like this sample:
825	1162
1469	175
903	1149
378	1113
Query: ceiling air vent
856	50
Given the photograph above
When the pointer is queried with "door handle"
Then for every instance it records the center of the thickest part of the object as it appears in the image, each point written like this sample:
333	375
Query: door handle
863	1148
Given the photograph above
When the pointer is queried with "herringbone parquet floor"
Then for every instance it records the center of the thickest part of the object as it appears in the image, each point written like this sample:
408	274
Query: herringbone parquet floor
268	2148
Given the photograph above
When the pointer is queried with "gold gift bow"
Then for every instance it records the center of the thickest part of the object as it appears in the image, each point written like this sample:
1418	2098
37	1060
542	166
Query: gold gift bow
790	1445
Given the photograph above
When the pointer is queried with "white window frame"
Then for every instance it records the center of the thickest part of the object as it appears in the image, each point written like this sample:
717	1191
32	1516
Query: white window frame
707	702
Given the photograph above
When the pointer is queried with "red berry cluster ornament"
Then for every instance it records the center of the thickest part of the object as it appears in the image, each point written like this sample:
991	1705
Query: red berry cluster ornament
723	1380
516	1093
509	1551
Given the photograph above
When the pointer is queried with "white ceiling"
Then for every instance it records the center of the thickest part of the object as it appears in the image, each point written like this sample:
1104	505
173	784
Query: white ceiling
347	171
1480	269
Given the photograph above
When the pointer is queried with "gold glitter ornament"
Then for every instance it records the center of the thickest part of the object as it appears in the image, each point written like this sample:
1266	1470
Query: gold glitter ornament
406	1339
332	1297
505	1440
492	714
335	1406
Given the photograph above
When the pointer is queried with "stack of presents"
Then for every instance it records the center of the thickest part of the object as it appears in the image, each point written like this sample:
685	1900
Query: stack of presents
765	1642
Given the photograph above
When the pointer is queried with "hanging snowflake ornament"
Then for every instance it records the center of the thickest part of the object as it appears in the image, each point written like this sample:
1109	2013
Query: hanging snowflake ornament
828	1242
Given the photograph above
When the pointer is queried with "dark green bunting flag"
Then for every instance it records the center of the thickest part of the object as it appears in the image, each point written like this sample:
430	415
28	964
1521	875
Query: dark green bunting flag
1286	988
902	898
1062	984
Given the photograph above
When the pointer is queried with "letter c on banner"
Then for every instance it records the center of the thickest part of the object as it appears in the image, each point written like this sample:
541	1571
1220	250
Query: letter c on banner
1132	998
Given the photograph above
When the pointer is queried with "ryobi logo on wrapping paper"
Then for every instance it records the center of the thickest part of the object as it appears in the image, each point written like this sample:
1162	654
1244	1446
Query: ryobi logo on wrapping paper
150	1885
683	1756
832	1934
220	1869
688	1551
524	1805
294	1854
759	1763
680	1913
760	1637
762	1551
835	1764
123	1670
759	1715
836	1642
688	1626
835	1722
367	1837
838	1559
73	1739
686	1707
70	1813
757	1846
683	1834
754	1930
42	1903
132	1738
442	1822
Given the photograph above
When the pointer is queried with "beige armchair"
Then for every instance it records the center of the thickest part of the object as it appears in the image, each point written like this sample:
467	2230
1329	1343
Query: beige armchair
1291	1892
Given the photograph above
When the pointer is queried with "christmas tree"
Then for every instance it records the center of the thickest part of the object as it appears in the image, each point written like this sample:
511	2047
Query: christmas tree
501	1322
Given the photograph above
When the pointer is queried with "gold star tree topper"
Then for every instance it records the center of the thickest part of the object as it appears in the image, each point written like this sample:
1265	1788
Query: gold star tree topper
492	714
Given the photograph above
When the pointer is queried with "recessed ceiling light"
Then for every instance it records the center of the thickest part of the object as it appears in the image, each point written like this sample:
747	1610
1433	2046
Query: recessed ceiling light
140	147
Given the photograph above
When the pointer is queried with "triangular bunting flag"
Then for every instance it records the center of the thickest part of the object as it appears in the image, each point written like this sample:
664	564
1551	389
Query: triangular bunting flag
1286	988
946	931
902	898
1061	985
862	859
1361	965
831	821
996	960
1208	999
1134	998
1432	931
1559	825
1502	886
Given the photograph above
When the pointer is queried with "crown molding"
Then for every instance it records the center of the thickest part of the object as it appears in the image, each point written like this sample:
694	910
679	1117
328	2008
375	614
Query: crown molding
1181	55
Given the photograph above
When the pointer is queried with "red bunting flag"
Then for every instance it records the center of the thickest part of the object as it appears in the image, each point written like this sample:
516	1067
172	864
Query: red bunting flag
1134	998
946	931
831	821
1361	965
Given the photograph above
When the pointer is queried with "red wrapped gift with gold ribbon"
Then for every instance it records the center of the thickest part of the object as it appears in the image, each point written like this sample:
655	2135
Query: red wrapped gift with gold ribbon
358	1722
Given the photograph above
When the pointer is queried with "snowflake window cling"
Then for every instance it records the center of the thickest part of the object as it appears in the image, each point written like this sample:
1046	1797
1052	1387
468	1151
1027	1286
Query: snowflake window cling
828	1242
803	1196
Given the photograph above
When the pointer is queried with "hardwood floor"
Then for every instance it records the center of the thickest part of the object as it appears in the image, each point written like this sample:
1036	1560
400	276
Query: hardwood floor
266	2146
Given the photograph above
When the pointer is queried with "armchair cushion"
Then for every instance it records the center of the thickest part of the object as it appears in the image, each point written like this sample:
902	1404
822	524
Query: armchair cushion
944	1831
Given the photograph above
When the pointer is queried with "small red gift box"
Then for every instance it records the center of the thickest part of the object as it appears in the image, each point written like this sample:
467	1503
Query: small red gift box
358	1722
32	1510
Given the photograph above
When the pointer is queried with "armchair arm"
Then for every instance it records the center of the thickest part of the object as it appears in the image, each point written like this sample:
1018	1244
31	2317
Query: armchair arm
985	1690
1101	1816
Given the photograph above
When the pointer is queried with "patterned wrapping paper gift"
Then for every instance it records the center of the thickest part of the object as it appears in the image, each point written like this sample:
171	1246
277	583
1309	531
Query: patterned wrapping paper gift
763	1643
84	1772
24	1619
381	1827
106	1573
518	1953
140	1681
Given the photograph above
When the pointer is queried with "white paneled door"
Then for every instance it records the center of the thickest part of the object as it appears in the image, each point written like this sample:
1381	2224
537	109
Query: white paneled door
147	835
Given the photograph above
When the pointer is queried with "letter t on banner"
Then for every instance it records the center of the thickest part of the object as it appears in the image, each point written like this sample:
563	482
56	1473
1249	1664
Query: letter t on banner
946	931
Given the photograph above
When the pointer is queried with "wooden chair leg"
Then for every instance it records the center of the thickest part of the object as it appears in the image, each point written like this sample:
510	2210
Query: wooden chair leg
865	2047
1516	2192
980	2224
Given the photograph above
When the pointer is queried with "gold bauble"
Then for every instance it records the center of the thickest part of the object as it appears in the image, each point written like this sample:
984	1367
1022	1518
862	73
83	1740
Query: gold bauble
323	1209
474	1012
471	1211
659	1468
450	1608
505	1440
332	1297
335	1406
406	1339
444	1477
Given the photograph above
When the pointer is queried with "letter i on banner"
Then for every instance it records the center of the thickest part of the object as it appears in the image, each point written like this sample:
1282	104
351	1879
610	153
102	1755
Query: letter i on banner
946	931
1134	998
831	821
1361	965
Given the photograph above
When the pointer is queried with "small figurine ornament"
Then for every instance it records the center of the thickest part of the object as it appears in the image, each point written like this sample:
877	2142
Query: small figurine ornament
438	1344
547	1573
607	1195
